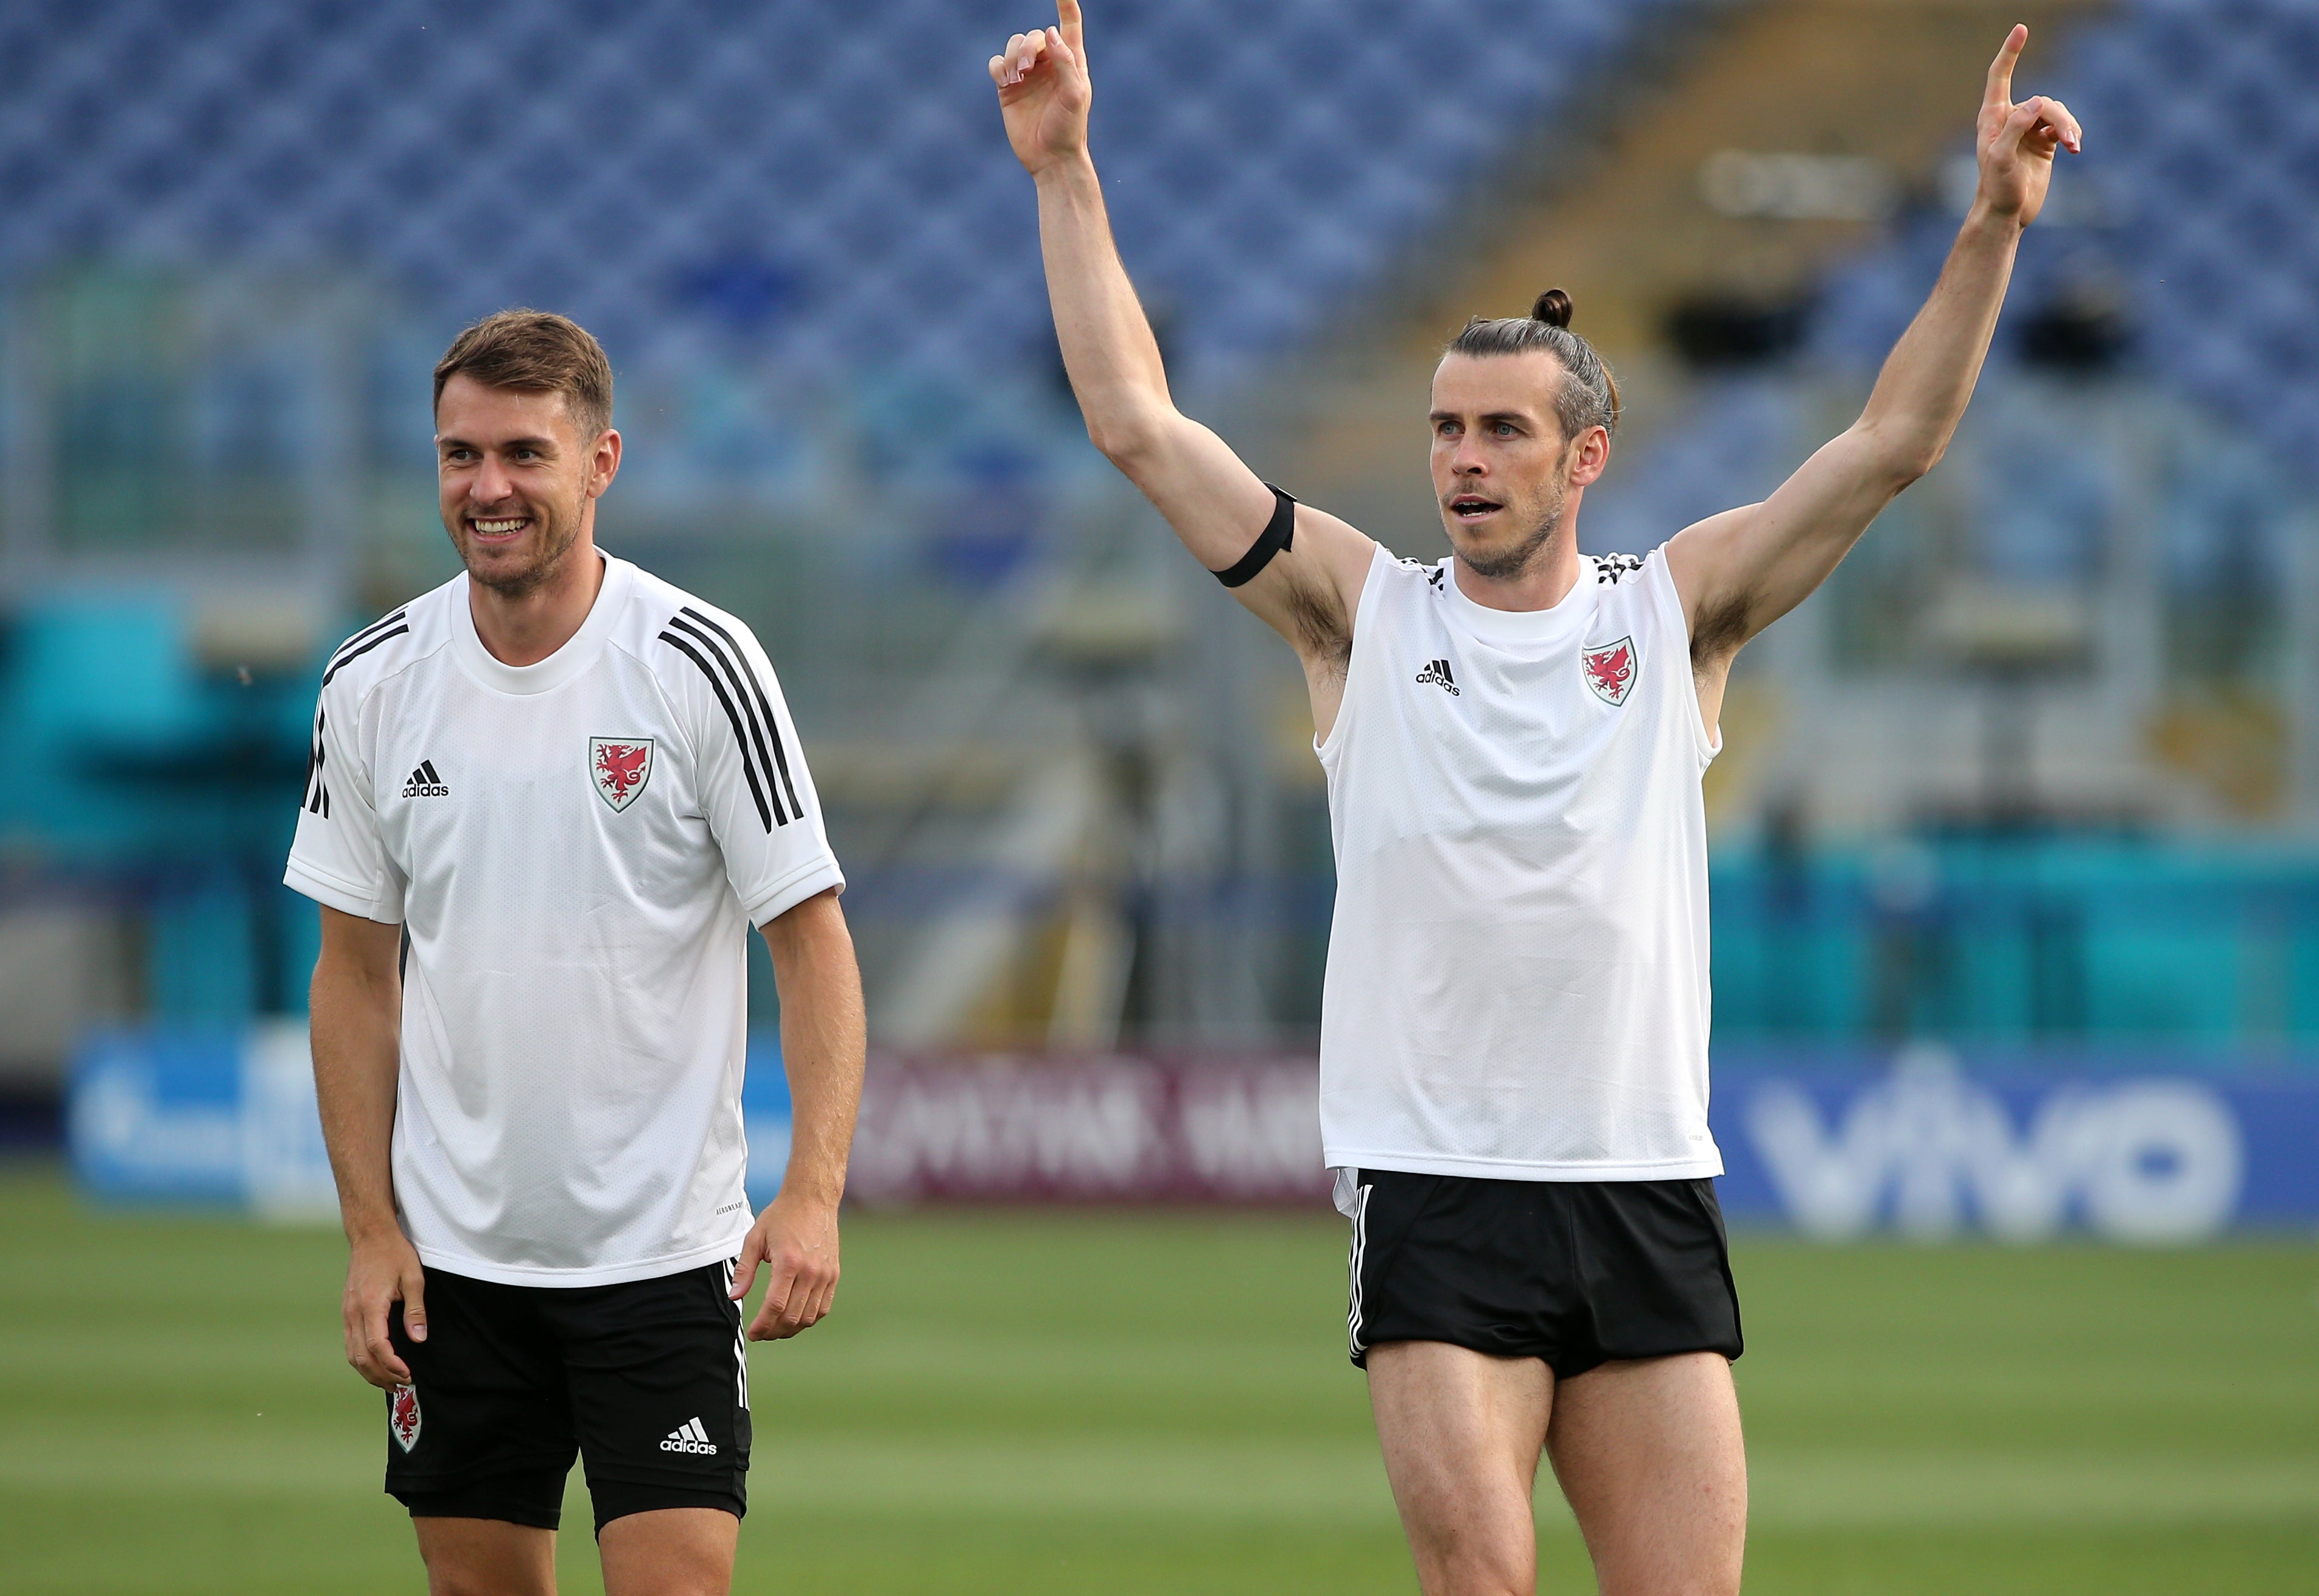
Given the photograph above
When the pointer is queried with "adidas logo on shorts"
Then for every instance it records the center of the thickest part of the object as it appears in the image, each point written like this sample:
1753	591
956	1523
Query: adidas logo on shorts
690	1437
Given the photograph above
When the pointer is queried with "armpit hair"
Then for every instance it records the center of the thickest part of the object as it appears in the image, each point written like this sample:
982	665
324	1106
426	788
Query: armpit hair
1322	632
1718	633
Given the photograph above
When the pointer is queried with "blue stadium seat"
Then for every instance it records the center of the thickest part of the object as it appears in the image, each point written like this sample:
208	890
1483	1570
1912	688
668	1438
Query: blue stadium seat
640	149
2204	126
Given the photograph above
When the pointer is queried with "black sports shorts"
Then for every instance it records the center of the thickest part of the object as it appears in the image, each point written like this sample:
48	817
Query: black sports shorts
1577	1273
647	1380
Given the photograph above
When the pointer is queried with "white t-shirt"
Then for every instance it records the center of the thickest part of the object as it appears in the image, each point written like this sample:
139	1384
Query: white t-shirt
1517	982
577	851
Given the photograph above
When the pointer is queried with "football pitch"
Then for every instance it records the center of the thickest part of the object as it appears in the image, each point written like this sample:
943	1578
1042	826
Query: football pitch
1036	1402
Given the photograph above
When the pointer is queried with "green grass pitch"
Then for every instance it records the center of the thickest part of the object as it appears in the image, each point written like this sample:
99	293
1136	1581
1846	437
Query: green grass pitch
1039	1402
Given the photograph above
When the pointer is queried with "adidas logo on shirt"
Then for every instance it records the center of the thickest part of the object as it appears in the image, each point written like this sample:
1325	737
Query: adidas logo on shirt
1436	674
690	1437
425	783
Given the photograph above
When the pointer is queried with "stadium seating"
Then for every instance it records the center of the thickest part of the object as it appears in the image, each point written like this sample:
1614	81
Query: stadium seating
2202	150
816	189
814	264
2200	239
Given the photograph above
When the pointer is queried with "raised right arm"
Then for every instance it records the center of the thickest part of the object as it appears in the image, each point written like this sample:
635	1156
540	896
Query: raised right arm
356	1014
1216	504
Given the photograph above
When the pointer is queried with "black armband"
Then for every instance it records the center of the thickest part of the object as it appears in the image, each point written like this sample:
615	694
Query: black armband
1274	537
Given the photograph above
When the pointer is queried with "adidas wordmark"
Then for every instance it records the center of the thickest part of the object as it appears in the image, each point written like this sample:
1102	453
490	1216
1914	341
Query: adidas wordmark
690	1437
1436	674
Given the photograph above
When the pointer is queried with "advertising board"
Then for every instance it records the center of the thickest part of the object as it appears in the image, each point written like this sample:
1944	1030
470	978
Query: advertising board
1925	1140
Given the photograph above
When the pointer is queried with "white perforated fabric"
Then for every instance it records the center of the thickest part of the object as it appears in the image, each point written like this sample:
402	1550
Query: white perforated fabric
574	1002
1516	981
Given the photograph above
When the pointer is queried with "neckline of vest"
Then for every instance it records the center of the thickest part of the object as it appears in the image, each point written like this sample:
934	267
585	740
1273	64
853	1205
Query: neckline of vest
1522	625
578	652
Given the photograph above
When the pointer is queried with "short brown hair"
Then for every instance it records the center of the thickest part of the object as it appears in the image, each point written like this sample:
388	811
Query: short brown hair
538	350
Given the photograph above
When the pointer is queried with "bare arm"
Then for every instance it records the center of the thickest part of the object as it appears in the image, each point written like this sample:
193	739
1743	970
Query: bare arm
1215	503
1742	569
823	1041
357	1004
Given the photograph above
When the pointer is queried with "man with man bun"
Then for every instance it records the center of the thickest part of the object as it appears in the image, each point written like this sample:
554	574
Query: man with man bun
1514	1024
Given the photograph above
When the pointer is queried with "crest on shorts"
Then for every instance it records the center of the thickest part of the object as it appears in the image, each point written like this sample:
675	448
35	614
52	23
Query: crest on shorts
1611	669
403	1416
619	767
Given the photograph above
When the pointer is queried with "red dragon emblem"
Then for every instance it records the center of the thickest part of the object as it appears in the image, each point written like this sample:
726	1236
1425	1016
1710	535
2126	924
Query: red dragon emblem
1611	669
621	766
403	1415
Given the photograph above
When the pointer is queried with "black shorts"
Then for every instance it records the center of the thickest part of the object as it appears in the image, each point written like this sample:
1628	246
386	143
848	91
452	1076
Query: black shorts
1577	1273
647	1380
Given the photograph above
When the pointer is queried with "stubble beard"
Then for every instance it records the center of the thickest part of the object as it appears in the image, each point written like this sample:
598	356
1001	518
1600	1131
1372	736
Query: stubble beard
1511	563
530	578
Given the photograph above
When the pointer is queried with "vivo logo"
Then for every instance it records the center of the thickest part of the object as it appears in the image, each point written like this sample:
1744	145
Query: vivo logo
1933	1153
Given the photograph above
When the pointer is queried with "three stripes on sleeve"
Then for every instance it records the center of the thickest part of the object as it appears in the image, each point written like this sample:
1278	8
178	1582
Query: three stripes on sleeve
763	734
318	791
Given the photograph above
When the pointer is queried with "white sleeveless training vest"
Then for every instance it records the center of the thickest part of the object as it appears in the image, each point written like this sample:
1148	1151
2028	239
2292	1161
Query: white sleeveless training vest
1516	981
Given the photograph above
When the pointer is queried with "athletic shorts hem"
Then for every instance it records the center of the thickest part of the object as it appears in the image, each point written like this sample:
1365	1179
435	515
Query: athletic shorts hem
618	1499
483	1499
1566	1366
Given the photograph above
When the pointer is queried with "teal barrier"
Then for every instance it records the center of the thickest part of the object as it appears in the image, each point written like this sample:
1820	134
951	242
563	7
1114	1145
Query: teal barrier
2035	940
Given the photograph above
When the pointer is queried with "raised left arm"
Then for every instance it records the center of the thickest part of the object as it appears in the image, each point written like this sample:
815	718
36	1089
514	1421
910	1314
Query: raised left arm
1740	571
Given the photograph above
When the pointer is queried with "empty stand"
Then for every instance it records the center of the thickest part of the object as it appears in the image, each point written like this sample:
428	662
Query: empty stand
815	188
2201	158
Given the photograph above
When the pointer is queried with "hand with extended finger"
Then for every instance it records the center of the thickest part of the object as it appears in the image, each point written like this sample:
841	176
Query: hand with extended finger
1043	92
2015	144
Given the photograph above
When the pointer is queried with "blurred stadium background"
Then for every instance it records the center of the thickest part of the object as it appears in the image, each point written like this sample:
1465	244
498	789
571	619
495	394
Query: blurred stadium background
2017	838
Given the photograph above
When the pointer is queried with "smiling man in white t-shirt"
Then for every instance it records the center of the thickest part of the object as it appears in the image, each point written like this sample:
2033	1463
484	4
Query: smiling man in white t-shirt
548	803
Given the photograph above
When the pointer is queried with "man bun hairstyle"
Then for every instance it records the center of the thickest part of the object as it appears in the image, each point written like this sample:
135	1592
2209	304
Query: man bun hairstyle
539	352
1587	395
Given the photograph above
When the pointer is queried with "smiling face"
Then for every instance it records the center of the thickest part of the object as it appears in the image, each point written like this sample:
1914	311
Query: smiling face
1502	472
519	483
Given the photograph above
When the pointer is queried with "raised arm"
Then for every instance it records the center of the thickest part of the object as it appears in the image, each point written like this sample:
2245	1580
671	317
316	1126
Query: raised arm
1214	502
1740	571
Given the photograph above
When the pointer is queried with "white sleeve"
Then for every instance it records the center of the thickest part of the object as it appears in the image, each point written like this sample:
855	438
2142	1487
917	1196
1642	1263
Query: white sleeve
753	785
336	858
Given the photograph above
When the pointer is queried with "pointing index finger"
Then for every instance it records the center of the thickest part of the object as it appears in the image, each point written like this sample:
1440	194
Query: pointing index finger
2001	70
1073	28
